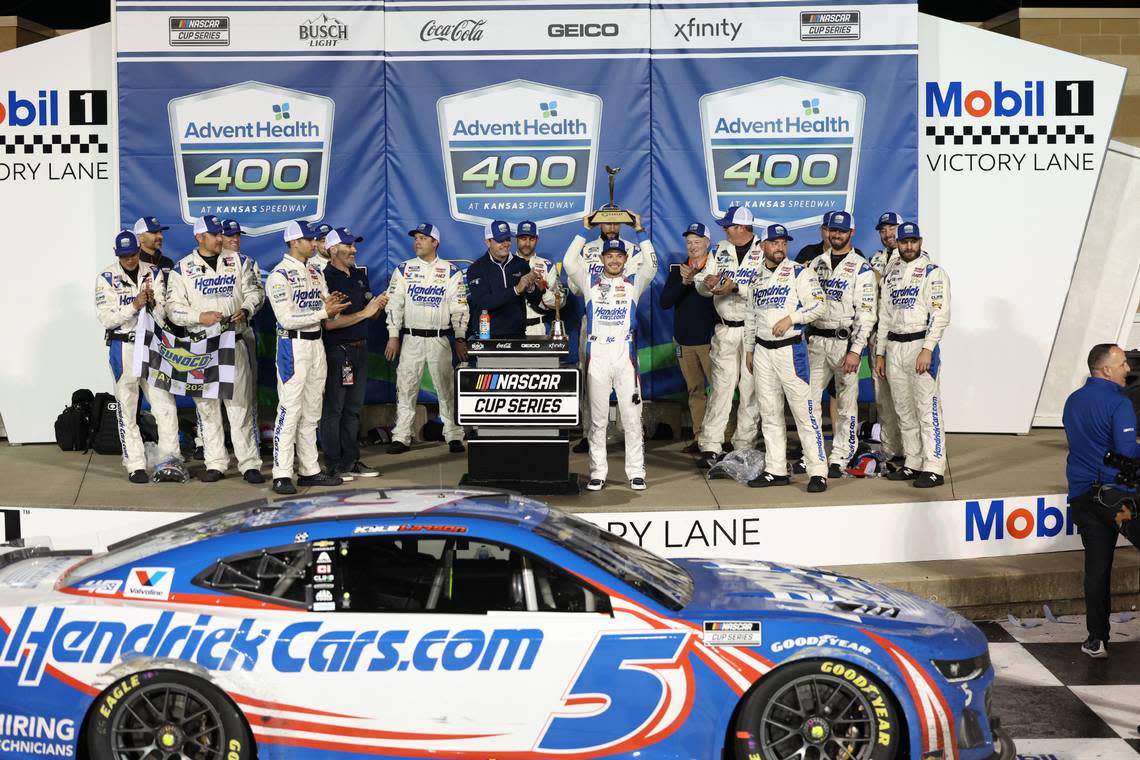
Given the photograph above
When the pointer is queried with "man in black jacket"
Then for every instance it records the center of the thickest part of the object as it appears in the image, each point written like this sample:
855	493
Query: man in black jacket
501	284
693	324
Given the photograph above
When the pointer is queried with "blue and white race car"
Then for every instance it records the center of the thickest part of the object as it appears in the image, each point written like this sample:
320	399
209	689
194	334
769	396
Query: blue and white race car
471	624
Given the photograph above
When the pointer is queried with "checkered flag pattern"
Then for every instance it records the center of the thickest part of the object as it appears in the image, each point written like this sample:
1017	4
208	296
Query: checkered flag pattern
1011	134
52	144
206	360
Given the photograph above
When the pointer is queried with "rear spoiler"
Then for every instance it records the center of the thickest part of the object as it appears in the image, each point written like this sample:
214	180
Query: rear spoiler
21	549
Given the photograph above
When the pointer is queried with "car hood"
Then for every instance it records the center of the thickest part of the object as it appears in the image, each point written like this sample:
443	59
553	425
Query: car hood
727	586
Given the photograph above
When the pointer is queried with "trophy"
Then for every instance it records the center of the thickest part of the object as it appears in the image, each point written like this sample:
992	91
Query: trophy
611	213
557	327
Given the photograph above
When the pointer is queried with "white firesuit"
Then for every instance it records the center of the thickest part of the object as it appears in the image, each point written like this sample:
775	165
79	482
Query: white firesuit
730	342
914	311
790	290
850	309
114	292
884	402
296	292
591	259
233	285
611	312
427	303
534	317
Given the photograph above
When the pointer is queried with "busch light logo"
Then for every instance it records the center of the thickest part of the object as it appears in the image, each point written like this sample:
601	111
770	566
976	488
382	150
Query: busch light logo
506	159
786	149
253	151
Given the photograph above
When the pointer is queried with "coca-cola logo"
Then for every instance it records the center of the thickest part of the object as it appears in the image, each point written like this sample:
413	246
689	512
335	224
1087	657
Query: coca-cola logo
466	30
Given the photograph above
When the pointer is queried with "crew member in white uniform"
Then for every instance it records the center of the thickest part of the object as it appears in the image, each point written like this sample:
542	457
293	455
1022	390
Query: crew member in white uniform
208	287
914	312
783	297
526	241
611	312
300	301
884	403
122	290
427	304
730	268
837	338
231	241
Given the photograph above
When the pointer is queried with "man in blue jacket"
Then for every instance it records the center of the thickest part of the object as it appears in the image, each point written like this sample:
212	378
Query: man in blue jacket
501	284
1098	418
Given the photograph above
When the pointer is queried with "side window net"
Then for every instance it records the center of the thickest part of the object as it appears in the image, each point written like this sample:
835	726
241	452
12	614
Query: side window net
277	574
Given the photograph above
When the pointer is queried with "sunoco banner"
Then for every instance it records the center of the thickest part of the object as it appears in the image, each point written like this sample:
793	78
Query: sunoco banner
458	116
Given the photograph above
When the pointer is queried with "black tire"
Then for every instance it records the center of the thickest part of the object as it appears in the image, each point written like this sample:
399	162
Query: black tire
177	714
818	710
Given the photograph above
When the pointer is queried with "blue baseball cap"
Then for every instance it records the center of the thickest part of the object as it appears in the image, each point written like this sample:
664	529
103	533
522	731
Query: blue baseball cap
827	218
839	220
231	228
526	228
148	224
342	235
777	231
320	229
888	217
907	231
126	243
696	228
614	245
209	224
736	215
299	230
425	228
497	230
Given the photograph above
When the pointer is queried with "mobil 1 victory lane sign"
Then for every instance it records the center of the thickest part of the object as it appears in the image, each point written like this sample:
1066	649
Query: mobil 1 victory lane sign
518	397
252	151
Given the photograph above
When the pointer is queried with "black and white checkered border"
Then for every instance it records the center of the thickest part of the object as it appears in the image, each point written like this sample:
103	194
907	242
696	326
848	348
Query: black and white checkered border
969	134
51	144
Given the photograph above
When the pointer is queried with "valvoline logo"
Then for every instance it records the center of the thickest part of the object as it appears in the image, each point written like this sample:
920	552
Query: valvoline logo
995	522
43	111
149	583
993	99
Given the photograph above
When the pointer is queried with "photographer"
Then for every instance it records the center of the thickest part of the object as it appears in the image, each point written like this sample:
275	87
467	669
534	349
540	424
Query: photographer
1098	420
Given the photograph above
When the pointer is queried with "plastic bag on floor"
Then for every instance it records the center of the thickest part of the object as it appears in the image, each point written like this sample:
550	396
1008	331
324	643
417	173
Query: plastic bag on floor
741	465
171	470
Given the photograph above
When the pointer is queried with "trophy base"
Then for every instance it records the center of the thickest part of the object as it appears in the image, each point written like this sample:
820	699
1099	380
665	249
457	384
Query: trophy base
611	216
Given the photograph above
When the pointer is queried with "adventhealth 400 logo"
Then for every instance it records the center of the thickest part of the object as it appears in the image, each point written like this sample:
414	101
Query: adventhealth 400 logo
786	149
252	150
519	150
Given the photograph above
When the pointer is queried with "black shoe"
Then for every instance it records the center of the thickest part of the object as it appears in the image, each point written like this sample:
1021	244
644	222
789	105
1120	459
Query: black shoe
692	448
728	447
211	476
253	476
284	486
637	484
708	459
817	484
902	473
582	446
200	454
345	477
595	484
834	471
928	480
1095	648
455	447
320	479
398	447
768	479
138	476
360	470
799	468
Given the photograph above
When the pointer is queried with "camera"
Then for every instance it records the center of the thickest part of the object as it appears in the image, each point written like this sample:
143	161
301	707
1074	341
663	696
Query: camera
1129	468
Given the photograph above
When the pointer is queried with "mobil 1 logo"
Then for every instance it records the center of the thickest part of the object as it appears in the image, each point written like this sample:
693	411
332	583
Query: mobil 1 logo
784	148
519	150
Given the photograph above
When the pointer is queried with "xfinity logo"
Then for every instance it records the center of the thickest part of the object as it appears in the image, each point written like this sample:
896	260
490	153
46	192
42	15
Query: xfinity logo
323	31
582	30
723	29
465	30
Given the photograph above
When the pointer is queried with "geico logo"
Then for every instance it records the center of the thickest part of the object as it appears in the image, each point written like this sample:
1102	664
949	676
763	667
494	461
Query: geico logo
582	30
43	637
950	101
22	112
995	523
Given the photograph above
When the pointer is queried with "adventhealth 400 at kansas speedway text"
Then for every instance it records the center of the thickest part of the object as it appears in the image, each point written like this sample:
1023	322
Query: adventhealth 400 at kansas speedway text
466	624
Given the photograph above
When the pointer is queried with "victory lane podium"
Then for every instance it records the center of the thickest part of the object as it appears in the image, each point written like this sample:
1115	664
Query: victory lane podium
518	405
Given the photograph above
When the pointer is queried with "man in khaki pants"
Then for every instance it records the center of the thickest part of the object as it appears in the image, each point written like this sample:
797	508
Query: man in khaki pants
693	322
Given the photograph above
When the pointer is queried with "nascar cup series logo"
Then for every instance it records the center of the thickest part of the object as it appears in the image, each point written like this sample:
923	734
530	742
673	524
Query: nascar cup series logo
784	148
252	151
519	150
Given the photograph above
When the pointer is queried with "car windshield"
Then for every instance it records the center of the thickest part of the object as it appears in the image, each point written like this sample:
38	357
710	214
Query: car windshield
653	576
181	533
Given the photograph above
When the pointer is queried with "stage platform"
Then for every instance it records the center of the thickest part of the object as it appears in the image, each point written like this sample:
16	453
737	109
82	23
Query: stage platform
950	538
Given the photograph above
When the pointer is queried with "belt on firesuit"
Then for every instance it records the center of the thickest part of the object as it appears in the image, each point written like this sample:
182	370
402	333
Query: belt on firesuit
283	333
730	322
113	336
532	321
779	343
843	333
427	333
906	337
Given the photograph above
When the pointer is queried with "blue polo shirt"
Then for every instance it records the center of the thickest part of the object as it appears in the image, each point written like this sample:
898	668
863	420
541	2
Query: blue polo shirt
1098	418
354	285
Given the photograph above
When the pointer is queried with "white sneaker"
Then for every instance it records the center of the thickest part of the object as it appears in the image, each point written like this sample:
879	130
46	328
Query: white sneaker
595	484
637	484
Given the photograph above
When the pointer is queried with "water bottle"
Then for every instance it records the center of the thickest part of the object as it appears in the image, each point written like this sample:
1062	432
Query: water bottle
484	326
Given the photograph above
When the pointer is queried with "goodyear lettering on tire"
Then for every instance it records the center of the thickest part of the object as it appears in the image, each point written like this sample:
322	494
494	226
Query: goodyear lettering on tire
879	702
